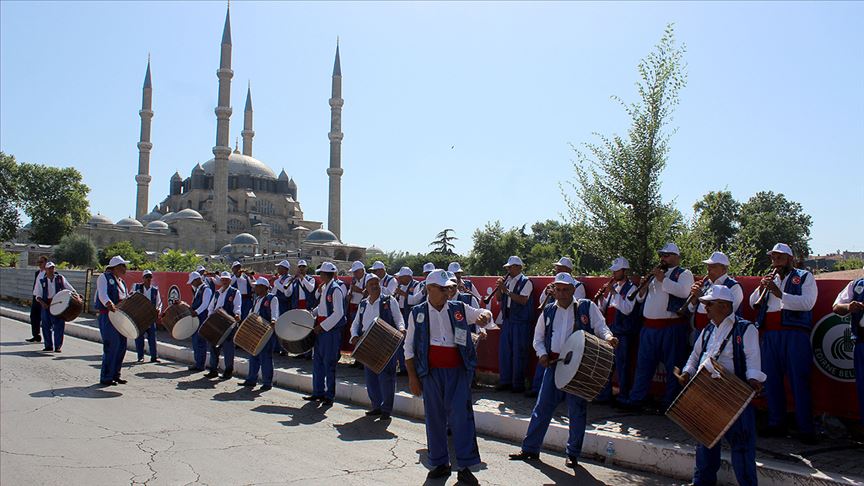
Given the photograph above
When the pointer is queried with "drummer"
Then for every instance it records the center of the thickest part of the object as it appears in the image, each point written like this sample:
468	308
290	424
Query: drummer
358	287
147	289
329	321
110	290
851	301
388	282
734	343
380	387
51	283
408	295
554	326
243	283
201	297
441	358
266	306
228	299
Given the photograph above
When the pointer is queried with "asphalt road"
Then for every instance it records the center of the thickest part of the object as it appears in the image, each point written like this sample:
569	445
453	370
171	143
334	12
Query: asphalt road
167	426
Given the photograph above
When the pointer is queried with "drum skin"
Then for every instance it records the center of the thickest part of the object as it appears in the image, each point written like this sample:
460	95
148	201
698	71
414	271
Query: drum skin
294	330
180	320
585	365
133	316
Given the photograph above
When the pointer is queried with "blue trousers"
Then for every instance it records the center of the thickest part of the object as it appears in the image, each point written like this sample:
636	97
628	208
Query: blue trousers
742	444
537	382
667	345
381	388
53	328
113	349
447	402
264	362
227	350
325	355
547	401
150	334
36	318
513	348
621	370
245	307
859	377
788	352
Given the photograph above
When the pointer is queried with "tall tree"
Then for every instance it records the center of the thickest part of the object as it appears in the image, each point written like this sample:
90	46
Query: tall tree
617	201
54	198
493	245
76	250
444	242
9	219
715	219
768	218
135	256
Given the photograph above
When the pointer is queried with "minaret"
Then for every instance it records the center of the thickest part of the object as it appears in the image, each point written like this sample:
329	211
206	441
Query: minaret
335	171
222	150
247	132
144	146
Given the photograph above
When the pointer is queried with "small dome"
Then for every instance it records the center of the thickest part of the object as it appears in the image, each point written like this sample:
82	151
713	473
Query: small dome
100	219
321	236
244	239
168	216
157	225
129	223
374	250
187	213
225	250
151	216
299	228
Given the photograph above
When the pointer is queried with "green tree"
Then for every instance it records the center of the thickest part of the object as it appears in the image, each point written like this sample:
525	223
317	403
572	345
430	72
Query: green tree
444	242
493	245
617	205
765	219
7	259
54	198
136	256
178	261
713	227
9	219
76	250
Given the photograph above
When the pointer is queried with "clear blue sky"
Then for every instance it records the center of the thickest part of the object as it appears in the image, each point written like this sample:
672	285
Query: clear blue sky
775	101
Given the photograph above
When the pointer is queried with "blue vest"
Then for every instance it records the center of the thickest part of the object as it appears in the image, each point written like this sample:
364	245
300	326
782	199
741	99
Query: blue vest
858	296
737	339
582	309
412	284
295	294
210	283
265	311
228	303
59	285
328	302
386	281
385	310
422	337
622	323
284	302
802	319
139	287
675	302
113	290
517	312
197	300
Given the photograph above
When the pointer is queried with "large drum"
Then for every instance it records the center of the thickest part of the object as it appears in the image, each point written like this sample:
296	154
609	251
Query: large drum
294	330
584	366
378	345
253	334
180	320
67	305
217	327
708	406
134	315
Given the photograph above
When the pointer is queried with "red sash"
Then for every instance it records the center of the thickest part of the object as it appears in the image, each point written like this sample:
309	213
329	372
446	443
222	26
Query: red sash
301	304
444	357
610	314
772	322
700	321
661	323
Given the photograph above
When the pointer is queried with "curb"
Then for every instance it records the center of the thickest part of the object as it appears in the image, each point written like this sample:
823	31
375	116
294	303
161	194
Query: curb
642	454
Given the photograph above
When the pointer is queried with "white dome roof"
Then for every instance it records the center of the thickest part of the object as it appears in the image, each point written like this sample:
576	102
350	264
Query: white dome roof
321	236
244	239
100	219
157	225
129	223
239	164
151	216
187	213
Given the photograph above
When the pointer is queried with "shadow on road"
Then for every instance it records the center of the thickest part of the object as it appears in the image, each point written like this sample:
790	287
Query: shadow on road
241	394
364	428
29	354
199	384
91	391
308	414
91	357
580	475
166	374
19	344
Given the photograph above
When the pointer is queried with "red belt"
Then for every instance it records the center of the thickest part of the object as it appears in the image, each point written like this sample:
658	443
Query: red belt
444	357
700	321
610	314
553	356
772	322
320	319
662	323
103	311
301	304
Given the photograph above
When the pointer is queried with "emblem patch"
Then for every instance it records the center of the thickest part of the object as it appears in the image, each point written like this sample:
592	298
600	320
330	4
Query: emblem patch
585	320
420	318
796	280
458	315
859	288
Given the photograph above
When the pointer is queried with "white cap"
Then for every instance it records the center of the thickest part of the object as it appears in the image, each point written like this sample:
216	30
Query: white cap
49	265
116	260
357	266
428	267
301	263
513	260
262	281
284	264
405	272
718	257
372	276
781	248
225	275
565	278
147	273
564	262
454	267
452	277
378	265
619	263
193	276
200	269
330	268
236	264
717	292
439	277
670	248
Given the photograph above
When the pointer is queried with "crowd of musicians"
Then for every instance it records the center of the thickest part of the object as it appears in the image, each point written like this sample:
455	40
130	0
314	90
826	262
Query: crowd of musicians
664	317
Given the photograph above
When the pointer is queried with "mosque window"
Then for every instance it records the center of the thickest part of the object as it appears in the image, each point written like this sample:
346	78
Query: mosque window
235	226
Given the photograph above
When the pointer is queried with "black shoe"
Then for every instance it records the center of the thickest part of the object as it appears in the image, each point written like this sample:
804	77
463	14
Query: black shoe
227	375
502	387
327	401
375	411
385	416
107	383
313	398
211	374
467	477
34	339
266	387
57	351
524	456
572	462
47	349
247	383
442	471
530	394
194	368
808	438
155	360
140	360
120	381
282	353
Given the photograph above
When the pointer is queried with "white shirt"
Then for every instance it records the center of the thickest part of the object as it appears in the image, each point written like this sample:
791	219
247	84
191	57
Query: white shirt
146	292
657	298
511	286
562	328
306	287
279	285
206	297
391	285
37	289
338	309
737	295
102	288
274	307
803	302
845	296
616	300
473	291
356	297
419	294
440	327
403	300
371	313
242	284
219	301
752	355
52	286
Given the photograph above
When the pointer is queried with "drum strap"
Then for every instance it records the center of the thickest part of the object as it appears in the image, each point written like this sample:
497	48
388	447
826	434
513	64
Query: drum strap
722	346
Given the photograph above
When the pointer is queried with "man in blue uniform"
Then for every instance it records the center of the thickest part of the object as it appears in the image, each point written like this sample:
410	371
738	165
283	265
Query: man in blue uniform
329	321
201	297
110	290
616	305
150	291
243	283
514	319
53	327
228	299
266	306
851	301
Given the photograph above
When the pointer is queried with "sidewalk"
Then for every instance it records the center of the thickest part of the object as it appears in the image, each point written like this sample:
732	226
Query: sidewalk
649	443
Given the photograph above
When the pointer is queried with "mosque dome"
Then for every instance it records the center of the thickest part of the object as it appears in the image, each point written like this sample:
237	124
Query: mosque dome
244	239
151	216
157	225
226	250
100	219
187	213
374	250
129	223
168	216
239	164
321	236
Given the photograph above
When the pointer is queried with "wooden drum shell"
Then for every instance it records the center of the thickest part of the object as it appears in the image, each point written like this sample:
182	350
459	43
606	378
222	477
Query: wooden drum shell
253	334
134	315
585	366
180	320
66	305
378	345
216	327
